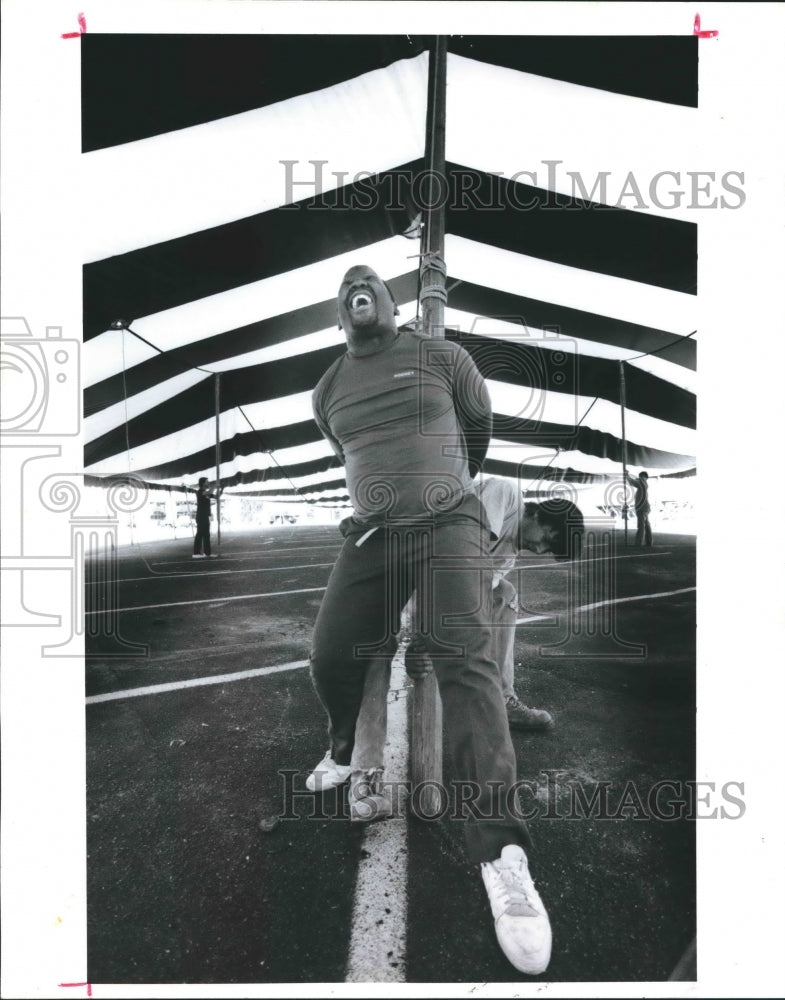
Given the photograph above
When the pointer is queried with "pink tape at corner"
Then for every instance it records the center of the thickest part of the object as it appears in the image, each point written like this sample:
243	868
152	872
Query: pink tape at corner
81	21
696	29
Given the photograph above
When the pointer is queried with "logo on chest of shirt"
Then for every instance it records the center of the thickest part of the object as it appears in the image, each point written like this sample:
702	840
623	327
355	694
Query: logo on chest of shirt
411	371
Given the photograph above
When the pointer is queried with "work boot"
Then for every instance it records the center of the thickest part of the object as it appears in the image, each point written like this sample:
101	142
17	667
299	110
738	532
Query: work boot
520	716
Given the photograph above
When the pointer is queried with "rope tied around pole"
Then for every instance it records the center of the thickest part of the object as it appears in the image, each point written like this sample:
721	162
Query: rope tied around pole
432	260
433	292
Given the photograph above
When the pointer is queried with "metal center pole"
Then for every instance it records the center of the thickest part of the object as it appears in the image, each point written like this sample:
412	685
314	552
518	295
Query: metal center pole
218	460
623	401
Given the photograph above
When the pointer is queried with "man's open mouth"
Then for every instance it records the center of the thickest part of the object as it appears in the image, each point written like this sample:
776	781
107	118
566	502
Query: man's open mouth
359	300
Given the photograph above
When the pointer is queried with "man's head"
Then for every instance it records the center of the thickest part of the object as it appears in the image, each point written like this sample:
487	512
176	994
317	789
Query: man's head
553	526
365	303
644	475
203	481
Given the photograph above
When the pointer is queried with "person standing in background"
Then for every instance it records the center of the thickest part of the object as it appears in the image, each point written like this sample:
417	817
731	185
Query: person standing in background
202	537
642	510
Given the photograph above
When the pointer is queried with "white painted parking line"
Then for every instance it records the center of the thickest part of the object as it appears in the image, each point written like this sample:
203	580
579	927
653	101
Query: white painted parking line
377	947
604	604
248	597
209	572
211	600
239	675
399	682
637	597
245	555
226	555
564	563
310	590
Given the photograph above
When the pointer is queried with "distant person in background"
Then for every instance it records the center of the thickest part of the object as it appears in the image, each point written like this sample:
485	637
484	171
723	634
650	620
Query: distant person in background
204	497
642	509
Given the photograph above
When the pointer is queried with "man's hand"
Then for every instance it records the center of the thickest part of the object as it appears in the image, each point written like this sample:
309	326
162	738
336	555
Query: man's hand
416	659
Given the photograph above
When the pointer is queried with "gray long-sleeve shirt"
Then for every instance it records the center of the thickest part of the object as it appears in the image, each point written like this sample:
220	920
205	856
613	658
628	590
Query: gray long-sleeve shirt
411	424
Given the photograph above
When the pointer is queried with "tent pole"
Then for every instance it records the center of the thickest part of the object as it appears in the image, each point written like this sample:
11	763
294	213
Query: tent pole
623	400
426	722
432	271
218	459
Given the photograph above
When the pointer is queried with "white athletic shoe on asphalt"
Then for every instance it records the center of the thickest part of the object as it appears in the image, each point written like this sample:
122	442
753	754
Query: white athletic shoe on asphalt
522	926
327	774
367	800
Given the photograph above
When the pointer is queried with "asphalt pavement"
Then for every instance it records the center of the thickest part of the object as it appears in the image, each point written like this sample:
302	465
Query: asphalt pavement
208	862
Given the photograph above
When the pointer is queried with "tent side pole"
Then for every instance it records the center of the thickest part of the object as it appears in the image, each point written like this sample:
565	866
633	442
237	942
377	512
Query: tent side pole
432	274
218	458
426	720
623	401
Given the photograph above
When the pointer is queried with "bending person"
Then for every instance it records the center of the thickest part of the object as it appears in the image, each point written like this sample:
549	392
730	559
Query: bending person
555	526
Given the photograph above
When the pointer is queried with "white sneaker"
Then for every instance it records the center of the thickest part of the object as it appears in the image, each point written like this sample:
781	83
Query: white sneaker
522	926
367	800
327	774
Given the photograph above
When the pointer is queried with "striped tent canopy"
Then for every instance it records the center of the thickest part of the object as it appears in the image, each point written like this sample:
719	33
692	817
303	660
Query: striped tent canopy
231	180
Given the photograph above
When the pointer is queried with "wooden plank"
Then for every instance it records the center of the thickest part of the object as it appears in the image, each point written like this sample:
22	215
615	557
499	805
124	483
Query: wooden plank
426	720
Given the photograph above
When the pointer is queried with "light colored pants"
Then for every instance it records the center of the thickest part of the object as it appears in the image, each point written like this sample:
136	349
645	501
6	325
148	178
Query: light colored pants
505	614
371	730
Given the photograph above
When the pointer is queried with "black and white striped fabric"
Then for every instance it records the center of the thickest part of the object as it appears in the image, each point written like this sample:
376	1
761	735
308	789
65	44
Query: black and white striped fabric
231	180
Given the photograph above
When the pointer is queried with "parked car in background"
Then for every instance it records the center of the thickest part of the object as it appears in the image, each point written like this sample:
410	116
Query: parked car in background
284	518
